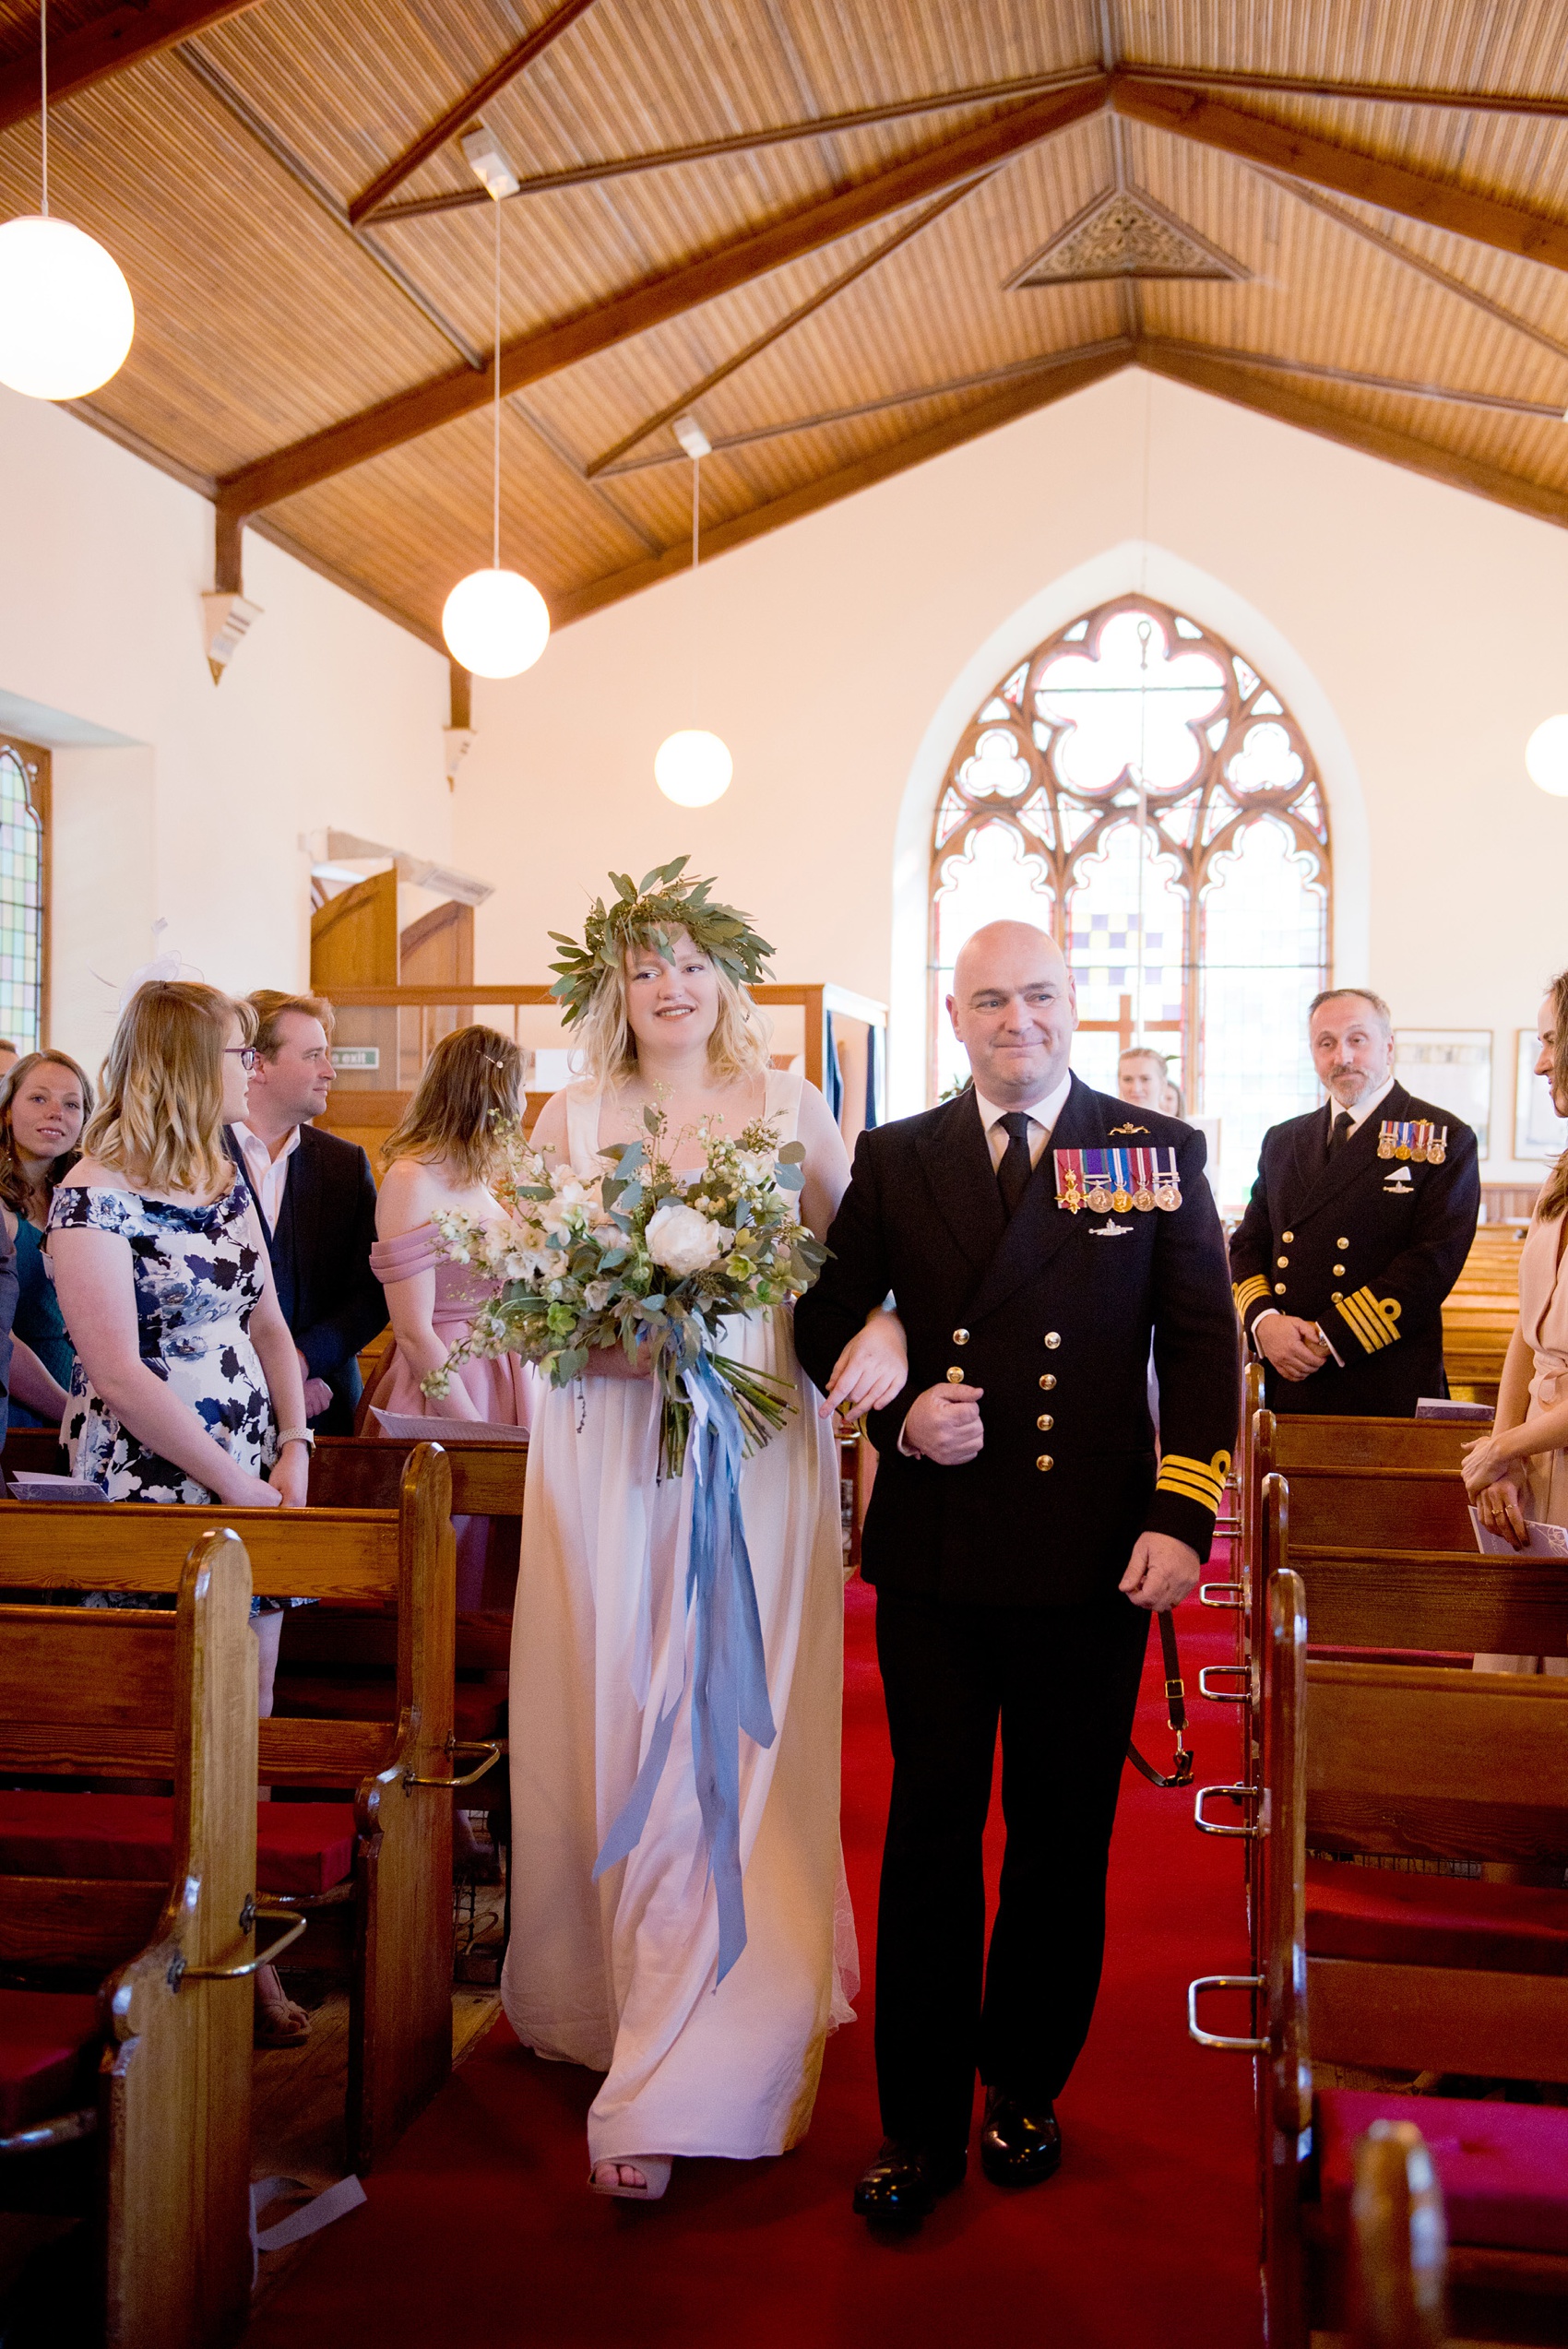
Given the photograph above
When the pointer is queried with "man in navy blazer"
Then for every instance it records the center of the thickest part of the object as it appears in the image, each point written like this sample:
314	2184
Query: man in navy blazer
1035	1236
316	1199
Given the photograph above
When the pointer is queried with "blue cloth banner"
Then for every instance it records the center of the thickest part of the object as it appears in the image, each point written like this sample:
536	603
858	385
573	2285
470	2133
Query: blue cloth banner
729	1662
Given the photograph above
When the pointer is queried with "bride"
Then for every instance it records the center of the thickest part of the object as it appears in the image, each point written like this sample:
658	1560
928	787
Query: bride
621	1975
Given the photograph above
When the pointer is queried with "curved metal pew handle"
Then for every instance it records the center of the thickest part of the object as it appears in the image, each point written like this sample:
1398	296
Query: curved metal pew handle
1233	1603
1209	1827
64	2129
180	1971
487	1746
1215	2038
1226	1696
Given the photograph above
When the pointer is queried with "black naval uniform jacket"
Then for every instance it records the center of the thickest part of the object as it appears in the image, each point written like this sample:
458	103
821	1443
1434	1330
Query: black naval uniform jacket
1367	1247
1051	1312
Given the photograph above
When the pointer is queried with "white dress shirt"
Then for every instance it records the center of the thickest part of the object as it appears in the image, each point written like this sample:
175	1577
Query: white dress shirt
265	1174
1042	1114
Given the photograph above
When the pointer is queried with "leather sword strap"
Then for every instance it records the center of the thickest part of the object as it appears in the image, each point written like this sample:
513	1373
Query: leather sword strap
1175	1710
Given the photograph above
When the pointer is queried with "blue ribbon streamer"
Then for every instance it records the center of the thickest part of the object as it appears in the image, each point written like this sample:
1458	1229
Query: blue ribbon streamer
729	1665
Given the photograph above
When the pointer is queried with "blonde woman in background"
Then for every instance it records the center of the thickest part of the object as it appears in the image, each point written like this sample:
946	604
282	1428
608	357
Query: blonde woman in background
621	1975
443	1156
1520	1471
45	1099
187	1386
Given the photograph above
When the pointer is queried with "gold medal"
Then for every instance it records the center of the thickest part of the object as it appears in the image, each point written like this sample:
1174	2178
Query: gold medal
1143	1200
1403	1151
1169	1199
1385	1146
1120	1200
1437	1154
1099	1199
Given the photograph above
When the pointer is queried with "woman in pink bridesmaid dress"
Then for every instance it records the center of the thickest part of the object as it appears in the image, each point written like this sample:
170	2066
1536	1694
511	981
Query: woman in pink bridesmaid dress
441	1158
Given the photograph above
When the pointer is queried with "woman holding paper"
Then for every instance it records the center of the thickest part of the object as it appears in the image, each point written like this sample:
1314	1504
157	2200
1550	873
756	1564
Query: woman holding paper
1520	1473
442	1160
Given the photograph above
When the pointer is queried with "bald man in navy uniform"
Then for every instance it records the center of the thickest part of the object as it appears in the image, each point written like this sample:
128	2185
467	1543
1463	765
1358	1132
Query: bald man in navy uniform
1033	1235
1359	1225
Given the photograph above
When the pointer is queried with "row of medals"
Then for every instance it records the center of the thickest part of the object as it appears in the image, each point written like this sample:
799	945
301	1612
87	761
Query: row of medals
1430	1154
1101	1201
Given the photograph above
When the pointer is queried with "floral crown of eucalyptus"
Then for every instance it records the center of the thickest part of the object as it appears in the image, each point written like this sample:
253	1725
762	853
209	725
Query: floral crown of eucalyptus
648	913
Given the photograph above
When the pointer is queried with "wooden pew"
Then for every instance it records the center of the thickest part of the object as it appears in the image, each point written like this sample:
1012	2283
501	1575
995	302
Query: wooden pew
173	2107
400	1771
1507	2265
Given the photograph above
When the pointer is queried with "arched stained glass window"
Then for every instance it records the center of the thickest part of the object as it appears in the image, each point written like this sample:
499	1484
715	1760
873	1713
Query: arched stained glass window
23	811
1139	790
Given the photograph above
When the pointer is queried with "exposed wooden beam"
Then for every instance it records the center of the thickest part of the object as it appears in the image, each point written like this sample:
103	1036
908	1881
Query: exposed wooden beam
1074	373
910	397
462	111
1360	93
1213	371
106	45
708	150
565	343
857	270
1350	171
1354	379
1301	193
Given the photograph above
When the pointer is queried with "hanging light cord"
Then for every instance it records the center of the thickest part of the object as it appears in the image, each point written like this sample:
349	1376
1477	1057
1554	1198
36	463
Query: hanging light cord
495	492
44	94
697	554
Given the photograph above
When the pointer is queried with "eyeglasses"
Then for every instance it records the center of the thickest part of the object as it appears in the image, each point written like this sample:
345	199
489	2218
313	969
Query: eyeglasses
249	1055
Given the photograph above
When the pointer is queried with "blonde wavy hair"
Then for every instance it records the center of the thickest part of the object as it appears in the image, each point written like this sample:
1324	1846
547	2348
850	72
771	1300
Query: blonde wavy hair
471	1079
1554	1198
737	1049
161	1121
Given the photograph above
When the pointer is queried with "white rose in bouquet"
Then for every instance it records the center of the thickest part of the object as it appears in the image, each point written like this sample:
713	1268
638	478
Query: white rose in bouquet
683	1240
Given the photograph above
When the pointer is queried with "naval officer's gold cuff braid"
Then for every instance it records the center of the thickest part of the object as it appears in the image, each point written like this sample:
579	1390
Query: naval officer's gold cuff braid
1373	1321
1250	1292
1199	1480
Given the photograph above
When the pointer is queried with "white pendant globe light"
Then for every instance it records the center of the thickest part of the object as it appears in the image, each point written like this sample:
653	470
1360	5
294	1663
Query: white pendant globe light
692	766
497	623
1546	756
67	317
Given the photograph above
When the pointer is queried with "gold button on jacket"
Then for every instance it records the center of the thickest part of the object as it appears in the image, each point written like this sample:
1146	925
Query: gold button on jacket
960	1338
1048	1380
1279	1288
1044	1463
1052	1339
1287	1237
954	1376
1045	1423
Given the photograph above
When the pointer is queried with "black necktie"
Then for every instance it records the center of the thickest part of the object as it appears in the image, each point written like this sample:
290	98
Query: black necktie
1012	1174
1339	1134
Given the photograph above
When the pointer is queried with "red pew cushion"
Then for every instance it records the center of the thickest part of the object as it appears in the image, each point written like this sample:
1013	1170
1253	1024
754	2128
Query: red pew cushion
300	1846
1381	1913
328	1696
49	2044
1503	2169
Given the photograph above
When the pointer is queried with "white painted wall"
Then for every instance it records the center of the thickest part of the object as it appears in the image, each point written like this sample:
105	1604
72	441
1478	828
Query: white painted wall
328	715
1417	631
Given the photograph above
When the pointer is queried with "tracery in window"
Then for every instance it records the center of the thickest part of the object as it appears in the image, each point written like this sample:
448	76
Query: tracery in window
24	787
1139	790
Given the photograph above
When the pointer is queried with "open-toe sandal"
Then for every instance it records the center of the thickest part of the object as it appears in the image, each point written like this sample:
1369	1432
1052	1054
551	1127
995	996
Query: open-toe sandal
281	2023
654	2168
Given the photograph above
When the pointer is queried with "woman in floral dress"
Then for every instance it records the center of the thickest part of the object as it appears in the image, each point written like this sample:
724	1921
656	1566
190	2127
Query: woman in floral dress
187	1386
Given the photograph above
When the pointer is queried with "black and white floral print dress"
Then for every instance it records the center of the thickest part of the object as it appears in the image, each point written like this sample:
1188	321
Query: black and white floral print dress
198	1273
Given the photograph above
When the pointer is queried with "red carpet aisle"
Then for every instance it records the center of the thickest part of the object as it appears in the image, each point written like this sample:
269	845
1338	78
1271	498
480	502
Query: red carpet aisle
479	2230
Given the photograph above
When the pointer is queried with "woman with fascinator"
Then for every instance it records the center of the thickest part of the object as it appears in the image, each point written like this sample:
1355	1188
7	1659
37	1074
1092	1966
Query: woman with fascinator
614	1961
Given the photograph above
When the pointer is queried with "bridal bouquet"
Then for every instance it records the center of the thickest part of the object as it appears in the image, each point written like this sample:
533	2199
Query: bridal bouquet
646	1259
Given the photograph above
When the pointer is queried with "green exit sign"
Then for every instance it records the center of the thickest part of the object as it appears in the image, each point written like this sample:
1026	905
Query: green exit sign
356	1056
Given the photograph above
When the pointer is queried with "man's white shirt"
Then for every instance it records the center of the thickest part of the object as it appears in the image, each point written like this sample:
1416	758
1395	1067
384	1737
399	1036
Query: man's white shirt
265	1174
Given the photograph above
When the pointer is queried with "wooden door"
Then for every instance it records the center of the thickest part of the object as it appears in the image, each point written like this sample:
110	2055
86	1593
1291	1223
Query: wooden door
353	937
438	949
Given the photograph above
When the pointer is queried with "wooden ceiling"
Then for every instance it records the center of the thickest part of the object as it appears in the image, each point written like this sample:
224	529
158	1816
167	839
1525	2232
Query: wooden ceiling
803	221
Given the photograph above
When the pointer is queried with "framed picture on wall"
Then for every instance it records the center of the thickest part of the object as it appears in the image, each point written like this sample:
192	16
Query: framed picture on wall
1451	1066
1538	1132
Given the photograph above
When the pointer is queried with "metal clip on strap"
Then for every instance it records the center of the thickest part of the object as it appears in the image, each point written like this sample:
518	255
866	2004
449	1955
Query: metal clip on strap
1176	1713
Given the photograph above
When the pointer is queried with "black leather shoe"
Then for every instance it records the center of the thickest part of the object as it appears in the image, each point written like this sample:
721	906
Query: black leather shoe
1020	2145
901	2185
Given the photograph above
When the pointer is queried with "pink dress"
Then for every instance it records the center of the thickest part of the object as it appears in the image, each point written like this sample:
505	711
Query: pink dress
495	1391
1543	1325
